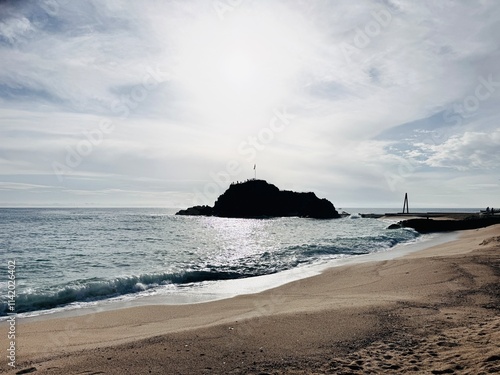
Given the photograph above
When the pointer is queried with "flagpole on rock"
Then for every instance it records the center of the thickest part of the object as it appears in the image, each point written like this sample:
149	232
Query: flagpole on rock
255	171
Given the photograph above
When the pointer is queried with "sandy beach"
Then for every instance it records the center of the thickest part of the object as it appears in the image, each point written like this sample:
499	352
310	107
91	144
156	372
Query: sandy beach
435	311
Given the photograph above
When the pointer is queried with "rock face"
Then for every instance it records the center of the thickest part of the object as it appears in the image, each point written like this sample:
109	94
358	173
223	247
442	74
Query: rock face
197	211
258	198
430	225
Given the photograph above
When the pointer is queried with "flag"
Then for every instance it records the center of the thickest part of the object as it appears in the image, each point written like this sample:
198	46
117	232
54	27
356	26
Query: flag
254	166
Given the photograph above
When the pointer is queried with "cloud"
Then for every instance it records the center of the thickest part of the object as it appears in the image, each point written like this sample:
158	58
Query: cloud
70	56
22	186
471	150
377	88
15	29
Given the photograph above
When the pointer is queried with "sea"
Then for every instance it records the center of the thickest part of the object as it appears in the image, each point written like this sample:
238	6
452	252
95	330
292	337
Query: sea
62	259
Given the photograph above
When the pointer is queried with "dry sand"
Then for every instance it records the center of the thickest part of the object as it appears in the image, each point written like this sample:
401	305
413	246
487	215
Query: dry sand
432	312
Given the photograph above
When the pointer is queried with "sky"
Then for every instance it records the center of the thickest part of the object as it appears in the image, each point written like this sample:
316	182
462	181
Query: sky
165	103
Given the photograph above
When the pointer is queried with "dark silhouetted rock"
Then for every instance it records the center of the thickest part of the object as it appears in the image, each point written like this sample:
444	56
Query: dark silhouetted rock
430	225
258	198
395	226
197	211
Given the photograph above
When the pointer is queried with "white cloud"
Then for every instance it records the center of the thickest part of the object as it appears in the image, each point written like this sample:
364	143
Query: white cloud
15	29
471	150
22	186
68	67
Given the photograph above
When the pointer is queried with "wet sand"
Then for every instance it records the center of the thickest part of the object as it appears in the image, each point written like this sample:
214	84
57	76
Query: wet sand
435	311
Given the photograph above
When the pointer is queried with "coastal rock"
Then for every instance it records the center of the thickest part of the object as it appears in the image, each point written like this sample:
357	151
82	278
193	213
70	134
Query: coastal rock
430	225
197	211
258	198
395	226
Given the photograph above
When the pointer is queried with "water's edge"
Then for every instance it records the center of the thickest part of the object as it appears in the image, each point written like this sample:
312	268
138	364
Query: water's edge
223	289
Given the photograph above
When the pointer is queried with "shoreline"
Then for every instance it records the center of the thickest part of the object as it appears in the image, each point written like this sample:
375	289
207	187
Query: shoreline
338	314
226	289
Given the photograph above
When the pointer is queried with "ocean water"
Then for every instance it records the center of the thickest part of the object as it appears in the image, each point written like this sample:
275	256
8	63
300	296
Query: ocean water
66	258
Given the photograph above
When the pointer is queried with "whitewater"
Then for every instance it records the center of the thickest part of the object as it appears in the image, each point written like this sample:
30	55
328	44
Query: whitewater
69	258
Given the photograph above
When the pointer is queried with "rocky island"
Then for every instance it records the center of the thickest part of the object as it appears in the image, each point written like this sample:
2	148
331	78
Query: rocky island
258	198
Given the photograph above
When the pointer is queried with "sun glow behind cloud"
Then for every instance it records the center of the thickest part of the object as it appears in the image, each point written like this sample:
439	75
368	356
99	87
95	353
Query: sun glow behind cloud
401	105
241	67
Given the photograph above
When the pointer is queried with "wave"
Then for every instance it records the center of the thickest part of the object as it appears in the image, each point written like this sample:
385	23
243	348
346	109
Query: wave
104	289
356	246
268	262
